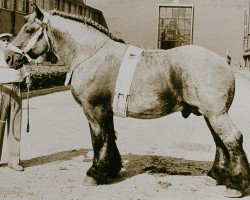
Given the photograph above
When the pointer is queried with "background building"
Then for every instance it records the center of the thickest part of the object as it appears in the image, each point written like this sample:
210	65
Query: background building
12	12
217	25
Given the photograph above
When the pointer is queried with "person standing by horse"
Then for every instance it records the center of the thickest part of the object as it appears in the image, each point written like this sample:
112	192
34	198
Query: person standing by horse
11	105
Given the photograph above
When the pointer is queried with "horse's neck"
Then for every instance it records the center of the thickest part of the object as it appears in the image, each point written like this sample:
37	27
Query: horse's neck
75	42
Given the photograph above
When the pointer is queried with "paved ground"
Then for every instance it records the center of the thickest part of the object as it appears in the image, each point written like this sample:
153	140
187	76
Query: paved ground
165	158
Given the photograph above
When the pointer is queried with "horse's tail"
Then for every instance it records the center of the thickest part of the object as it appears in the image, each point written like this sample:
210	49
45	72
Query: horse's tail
231	93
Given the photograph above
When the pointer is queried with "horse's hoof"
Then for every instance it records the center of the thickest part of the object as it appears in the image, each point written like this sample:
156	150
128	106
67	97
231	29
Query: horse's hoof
89	181
210	181
231	193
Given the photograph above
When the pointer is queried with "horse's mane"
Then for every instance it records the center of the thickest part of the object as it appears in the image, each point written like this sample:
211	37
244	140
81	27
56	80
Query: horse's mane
87	21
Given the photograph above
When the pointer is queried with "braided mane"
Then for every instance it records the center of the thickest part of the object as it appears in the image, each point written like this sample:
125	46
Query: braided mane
88	22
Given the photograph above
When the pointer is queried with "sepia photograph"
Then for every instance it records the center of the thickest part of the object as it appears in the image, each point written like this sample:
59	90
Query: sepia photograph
124	99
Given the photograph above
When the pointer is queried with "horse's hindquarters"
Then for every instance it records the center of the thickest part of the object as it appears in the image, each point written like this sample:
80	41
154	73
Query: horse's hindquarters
163	83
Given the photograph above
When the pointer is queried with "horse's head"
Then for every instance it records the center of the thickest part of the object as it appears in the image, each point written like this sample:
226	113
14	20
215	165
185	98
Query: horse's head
34	39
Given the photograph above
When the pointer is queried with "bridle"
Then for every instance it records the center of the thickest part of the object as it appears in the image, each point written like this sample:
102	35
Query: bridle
31	43
42	30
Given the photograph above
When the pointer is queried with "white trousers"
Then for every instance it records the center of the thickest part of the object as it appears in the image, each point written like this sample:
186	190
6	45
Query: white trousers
11	114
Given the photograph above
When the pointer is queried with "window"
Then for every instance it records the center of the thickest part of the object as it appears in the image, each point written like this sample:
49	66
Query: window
73	9
9	4
61	5
21	5
87	13
66	7
40	3
92	15
2	3
55	5
175	26
46	4
69	9
80	10
96	18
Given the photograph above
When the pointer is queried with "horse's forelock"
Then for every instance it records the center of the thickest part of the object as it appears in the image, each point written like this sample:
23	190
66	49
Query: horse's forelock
31	18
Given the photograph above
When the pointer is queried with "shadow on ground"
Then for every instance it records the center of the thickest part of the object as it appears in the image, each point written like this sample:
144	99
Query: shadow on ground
133	164
60	156
138	164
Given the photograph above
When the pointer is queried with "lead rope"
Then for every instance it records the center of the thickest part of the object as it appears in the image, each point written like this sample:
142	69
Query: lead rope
28	109
2	105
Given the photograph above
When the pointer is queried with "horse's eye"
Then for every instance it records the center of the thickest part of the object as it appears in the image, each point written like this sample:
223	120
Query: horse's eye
29	31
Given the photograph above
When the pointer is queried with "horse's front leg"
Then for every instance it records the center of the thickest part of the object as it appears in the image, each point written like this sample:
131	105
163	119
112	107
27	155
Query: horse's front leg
107	159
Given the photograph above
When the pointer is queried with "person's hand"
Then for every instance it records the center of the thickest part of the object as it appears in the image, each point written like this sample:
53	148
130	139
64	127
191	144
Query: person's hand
28	81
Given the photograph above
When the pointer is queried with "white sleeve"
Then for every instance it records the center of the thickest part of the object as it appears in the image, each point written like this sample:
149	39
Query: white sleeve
23	72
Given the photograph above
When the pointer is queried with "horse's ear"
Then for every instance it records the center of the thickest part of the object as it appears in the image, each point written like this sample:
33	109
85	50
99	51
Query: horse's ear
26	17
39	13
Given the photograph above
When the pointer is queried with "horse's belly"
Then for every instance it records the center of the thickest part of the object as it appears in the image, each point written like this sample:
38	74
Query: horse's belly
150	108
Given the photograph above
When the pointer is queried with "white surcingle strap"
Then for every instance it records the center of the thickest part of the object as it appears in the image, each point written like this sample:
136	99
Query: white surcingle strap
124	80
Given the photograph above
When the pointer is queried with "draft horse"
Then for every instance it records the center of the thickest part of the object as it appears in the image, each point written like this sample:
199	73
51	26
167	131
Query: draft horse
189	79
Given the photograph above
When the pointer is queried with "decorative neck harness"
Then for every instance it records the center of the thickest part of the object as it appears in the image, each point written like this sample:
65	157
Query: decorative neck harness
42	30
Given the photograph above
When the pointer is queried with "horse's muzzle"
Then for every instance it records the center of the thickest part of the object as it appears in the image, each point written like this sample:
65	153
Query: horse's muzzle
15	60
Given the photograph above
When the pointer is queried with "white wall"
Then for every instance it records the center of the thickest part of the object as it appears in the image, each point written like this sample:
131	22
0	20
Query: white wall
218	24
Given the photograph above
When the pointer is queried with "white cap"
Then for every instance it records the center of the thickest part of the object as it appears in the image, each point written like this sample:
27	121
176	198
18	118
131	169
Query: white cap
5	35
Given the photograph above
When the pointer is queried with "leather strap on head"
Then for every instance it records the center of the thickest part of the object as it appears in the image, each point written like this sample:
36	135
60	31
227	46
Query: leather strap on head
43	29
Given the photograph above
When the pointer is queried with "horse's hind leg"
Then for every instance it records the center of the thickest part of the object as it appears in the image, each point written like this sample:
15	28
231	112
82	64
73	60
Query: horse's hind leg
230	156
219	169
107	159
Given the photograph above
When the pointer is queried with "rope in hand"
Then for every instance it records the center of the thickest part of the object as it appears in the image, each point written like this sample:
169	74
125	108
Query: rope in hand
28	109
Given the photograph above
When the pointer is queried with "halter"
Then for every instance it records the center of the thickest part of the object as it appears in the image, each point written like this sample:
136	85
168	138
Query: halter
31	43
43	29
